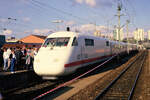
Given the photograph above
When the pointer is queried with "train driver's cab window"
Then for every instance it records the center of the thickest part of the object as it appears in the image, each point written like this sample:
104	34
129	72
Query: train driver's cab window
107	43
56	42
75	42
89	42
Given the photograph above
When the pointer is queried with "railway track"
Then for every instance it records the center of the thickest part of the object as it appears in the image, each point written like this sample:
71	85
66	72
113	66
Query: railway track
32	91
86	73
29	92
122	87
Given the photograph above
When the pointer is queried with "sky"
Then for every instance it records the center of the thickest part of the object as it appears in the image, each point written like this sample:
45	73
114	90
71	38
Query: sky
20	18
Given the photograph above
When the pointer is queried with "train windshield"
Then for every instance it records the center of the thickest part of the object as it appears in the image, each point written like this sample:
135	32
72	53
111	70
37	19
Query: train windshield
59	41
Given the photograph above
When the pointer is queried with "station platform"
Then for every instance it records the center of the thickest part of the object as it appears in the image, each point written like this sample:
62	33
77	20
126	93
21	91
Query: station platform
5	73
10	81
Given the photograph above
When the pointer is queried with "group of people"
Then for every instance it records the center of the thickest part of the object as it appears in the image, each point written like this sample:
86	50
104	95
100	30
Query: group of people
17	58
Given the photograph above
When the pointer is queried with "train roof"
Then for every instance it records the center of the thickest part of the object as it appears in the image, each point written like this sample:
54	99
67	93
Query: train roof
61	34
67	34
71	34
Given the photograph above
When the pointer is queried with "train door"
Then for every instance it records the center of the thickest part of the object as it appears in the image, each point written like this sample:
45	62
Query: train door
111	48
77	45
82	48
82	54
107	49
79	52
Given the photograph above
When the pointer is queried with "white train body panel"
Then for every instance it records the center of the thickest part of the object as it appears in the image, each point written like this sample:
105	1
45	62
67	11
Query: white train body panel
64	52
50	60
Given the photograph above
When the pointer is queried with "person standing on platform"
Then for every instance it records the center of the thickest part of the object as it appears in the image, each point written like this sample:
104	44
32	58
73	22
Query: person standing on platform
19	55
28	59
8	52
32	54
13	60
1	57
24	51
5	58
35	51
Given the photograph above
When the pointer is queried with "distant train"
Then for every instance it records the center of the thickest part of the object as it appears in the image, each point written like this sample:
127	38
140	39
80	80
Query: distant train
64	52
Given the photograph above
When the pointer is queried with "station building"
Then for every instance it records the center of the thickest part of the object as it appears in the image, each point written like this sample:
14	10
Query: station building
28	41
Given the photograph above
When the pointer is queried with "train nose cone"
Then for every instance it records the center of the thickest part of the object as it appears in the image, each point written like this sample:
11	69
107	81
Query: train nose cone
46	64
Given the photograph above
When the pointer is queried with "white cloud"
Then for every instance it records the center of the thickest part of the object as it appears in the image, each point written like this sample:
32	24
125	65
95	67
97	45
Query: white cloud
94	3
69	23
79	1
87	28
90	28
3	20
42	31
88	2
7	32
26	19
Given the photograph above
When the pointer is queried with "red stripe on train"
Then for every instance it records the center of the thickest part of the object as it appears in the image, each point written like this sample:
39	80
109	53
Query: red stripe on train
85	61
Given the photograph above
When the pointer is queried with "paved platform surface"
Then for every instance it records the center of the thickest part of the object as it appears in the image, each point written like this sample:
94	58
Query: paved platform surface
4	73
9	81
83	83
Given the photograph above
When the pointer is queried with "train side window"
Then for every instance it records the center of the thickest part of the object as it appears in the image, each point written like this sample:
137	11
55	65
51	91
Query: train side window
75	42
89	42
107	43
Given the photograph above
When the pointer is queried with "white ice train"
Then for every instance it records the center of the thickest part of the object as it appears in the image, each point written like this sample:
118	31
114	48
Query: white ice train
64	52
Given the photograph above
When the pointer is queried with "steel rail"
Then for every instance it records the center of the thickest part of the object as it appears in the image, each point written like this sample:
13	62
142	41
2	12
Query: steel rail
105	90
137	77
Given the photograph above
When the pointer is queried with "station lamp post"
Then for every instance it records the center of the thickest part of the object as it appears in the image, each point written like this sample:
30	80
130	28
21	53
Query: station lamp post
9	18
57	22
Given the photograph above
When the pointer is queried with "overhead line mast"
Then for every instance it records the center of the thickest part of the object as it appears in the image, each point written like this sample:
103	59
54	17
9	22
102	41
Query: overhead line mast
119	15
119	8
127	22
